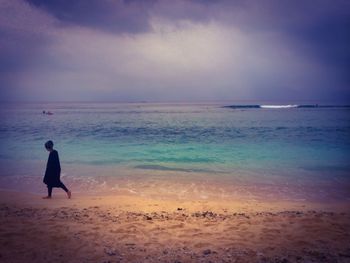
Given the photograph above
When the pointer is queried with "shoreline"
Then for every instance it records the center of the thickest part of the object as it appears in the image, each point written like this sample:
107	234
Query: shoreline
134	201
188	186
128	228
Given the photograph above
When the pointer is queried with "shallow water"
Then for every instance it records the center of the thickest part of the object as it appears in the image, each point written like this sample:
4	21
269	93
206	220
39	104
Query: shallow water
286	151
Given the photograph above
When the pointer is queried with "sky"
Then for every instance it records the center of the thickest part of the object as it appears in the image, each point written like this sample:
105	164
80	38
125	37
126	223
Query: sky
175	50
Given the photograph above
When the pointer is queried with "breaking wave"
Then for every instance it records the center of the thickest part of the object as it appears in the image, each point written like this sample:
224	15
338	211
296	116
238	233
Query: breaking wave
286	106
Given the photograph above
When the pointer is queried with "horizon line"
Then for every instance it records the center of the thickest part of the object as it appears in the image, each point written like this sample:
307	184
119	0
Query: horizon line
250	101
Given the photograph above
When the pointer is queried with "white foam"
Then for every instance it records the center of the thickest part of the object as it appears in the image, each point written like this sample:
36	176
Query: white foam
279	106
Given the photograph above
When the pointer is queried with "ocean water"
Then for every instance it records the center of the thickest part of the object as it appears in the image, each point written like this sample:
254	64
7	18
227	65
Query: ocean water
291	152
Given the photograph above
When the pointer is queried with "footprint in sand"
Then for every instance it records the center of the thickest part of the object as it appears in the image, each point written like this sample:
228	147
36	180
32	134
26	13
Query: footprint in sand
245	234
176	226
139	224
128	237
232	228
271	231
210	224
202	245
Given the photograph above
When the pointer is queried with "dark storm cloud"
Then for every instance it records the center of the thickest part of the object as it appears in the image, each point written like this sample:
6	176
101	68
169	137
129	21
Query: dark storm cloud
115	16
254	49
24	34
329	38
321	26
318	27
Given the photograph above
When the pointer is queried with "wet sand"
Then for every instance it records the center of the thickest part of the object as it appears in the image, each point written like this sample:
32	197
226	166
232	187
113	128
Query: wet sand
129	228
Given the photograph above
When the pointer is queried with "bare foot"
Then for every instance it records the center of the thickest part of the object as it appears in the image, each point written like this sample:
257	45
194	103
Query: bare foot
69	194
47	197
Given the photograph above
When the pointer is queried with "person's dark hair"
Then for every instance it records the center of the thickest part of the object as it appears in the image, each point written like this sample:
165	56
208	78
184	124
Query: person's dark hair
49	144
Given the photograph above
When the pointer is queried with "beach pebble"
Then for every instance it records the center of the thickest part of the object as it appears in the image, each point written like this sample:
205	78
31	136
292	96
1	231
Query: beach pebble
284	260
207	252
111	251
130	244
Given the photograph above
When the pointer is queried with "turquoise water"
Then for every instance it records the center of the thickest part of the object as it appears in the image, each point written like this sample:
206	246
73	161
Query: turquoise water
188	138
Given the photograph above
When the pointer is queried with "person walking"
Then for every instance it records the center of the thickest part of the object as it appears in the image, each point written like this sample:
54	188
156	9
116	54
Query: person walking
53	172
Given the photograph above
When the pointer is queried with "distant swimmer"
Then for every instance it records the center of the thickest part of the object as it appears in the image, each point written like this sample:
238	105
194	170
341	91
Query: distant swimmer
53	172
47	112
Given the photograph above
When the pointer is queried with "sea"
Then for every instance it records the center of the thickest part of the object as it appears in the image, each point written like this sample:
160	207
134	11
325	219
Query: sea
298	152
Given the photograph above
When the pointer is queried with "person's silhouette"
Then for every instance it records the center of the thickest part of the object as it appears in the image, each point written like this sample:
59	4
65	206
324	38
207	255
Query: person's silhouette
53	172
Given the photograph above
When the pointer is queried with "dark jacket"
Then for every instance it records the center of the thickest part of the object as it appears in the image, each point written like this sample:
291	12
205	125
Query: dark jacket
53	170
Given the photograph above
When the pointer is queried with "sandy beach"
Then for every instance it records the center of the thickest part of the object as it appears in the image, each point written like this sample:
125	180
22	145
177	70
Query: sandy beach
185	130
127	228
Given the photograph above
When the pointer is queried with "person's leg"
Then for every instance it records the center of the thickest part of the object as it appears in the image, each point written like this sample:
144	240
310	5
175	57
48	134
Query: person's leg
49	192
69	194
63	187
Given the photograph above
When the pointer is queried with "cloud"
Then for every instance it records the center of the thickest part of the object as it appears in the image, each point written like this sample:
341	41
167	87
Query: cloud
110	15
184	50
24	33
